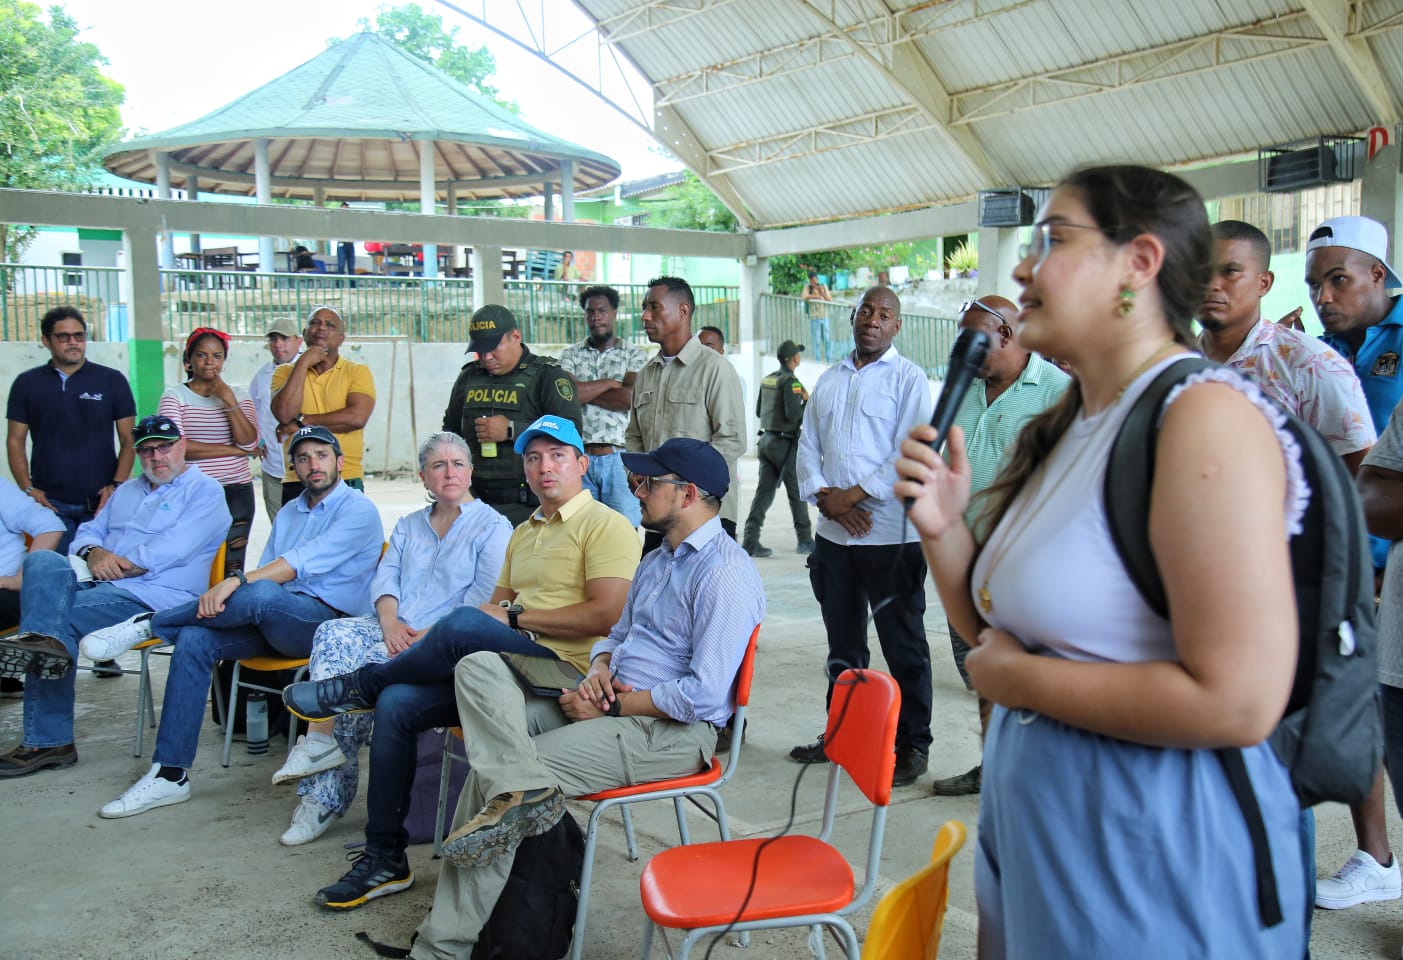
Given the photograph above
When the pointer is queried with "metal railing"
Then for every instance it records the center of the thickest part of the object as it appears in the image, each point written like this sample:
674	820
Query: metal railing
242	303
825	329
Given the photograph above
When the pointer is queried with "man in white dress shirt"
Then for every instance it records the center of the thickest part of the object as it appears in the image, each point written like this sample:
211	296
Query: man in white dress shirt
284	343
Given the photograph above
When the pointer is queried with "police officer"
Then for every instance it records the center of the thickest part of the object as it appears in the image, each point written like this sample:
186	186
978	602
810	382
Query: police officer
496	397
780	407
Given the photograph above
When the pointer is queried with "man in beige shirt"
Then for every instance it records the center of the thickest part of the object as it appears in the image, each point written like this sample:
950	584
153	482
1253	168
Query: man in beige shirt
686	390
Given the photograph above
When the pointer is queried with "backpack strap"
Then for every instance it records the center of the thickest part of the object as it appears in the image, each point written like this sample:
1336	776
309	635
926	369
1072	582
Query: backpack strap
1268	904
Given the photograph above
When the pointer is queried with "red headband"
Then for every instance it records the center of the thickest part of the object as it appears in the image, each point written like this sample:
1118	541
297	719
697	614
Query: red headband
199	332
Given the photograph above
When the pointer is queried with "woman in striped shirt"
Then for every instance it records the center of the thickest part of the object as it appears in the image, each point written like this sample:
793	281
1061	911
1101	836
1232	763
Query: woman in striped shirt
220	430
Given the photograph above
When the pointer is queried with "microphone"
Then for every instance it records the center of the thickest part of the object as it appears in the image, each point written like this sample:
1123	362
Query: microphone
967	358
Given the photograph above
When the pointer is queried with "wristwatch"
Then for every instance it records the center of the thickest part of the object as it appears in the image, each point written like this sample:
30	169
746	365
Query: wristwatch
513	611
616	707
83	553
243	580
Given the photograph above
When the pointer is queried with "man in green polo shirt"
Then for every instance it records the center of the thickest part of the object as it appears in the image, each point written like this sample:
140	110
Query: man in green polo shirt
1013	388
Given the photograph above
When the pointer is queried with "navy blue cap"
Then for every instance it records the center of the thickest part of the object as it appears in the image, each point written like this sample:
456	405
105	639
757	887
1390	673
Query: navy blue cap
321	434
692	460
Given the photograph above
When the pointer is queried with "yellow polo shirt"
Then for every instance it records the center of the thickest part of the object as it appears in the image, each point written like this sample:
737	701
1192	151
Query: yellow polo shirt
549	561
326	393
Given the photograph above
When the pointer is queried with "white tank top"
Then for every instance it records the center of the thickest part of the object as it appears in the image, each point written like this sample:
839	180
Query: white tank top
1061	587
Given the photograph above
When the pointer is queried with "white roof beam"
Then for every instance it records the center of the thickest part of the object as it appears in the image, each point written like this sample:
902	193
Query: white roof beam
850	131
1333	19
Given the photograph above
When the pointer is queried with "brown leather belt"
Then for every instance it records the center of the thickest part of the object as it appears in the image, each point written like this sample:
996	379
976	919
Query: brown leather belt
603	449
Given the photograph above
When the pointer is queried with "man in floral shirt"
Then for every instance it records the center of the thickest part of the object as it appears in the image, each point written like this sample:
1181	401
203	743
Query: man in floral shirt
605	368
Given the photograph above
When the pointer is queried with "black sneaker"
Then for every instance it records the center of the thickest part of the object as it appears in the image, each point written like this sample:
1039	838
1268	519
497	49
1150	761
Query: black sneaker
805	548
372	876
755	550
910	764
499	827
22	761
11	688
106	669
961	785
21	652
315	700
809	752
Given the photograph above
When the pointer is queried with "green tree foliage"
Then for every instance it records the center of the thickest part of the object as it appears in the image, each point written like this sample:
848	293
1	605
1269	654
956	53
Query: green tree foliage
57	111
789	272
422	35
692	206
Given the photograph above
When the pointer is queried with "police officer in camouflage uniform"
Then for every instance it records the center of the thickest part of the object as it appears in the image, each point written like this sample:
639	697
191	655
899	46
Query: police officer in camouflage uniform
780	407
496	397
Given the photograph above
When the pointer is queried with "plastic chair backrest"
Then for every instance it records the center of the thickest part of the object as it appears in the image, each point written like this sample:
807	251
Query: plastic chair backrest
216	566
907	922
746	674
861	717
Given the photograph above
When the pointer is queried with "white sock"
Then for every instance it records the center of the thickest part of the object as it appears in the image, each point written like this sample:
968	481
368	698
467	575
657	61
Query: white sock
314	736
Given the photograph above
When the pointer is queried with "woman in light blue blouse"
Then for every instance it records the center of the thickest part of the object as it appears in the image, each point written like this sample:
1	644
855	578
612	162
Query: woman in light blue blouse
444	556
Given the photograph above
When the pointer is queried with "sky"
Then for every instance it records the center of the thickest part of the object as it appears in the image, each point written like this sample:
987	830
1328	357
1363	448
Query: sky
180	61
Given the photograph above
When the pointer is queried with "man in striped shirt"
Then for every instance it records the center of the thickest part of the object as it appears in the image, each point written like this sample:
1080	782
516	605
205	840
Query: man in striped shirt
1013	388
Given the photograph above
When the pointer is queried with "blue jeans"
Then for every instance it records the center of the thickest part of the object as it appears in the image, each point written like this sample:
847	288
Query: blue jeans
55	604
818	336
73	516
607	482
259	620
414	692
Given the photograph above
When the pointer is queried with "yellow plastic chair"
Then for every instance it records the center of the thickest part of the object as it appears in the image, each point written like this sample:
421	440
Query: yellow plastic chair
907	922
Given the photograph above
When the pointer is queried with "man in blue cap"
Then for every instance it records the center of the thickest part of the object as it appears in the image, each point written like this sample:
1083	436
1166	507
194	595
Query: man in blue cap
657	690
562	586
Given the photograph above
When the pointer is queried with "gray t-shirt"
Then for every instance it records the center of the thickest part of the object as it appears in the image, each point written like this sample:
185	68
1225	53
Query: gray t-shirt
1388	455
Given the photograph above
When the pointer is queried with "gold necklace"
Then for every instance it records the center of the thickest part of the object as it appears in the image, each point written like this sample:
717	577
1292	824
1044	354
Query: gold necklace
986	599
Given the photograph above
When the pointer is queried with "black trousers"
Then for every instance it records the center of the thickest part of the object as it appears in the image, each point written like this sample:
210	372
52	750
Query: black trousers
240	501
850	581
9	609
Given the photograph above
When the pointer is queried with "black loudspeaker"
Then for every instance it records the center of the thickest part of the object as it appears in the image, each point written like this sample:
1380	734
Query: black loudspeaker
1006	208
1298	169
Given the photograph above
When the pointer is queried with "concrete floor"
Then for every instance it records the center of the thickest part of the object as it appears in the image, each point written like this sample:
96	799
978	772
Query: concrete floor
208	878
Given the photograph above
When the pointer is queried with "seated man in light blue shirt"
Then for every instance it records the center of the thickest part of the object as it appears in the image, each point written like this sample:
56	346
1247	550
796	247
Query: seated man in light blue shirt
659	686
317	565
149	548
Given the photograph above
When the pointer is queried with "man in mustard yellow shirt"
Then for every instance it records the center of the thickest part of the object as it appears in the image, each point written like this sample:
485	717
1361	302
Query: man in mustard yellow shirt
321	388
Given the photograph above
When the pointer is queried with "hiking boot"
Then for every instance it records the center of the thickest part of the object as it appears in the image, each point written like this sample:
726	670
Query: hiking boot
11	689
372	876
22	760
310	757
106	669
1360	880
111	642
910	764
961	785
809	752
315	700
500	826
21	652
148	793
805	548
755	550
309	821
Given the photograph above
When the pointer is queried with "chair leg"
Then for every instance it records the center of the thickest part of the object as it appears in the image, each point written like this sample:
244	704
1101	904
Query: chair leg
577	941
628	833
647	939
228	711
681	820
143	692
302	673
444	767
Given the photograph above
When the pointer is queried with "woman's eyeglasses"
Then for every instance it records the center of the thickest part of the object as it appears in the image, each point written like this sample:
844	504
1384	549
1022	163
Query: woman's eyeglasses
1041	244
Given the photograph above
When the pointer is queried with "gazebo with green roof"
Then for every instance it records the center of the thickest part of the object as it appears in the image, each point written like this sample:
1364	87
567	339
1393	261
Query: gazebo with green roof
363	121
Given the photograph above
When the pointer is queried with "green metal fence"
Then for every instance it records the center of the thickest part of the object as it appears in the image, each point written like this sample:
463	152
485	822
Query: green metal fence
825	329
27	293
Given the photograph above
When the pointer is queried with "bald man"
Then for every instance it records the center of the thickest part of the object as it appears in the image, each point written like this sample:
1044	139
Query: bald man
1013	387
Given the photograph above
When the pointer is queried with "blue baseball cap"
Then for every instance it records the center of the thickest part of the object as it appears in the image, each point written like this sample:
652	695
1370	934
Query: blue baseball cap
692	460
557	428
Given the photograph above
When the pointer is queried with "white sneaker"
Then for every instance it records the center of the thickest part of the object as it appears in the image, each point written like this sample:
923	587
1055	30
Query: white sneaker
146	794
1360	880
109	643
308	758
309	821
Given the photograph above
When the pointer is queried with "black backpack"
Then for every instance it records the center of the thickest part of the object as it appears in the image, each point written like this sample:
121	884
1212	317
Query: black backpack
1330	738
535	916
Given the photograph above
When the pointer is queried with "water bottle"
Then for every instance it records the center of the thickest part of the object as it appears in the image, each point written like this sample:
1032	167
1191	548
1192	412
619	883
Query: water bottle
256	722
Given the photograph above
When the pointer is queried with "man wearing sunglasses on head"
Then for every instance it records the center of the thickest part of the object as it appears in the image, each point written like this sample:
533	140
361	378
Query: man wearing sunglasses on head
149	549
1014	387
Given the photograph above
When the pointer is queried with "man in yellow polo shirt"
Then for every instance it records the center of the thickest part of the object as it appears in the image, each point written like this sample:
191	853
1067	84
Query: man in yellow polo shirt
321	388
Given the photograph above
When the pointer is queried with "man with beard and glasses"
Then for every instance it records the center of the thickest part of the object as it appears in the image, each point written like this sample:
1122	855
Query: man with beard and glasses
317	566
605	367
149	548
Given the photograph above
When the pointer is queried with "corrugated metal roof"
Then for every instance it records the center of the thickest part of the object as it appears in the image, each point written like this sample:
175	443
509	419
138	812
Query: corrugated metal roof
828	109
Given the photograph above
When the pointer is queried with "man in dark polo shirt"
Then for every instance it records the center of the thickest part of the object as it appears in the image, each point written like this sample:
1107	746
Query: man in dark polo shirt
70	409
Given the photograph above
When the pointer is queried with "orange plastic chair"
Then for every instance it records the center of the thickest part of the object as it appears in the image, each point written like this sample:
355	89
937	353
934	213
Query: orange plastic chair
907	922
799	881
705	783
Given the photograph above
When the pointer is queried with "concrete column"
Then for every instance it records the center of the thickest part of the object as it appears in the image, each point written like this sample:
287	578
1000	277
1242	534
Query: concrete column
145	358
547	202
754	342
426	201
163	192
567	190
192	192
322	245
1381	197
998	255
487	276
263	188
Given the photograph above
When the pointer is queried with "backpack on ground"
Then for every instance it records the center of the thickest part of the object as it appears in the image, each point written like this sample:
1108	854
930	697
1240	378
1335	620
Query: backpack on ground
421	819
535	916
1330	738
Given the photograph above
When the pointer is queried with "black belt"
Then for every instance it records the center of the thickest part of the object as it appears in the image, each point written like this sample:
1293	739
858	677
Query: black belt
781	433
